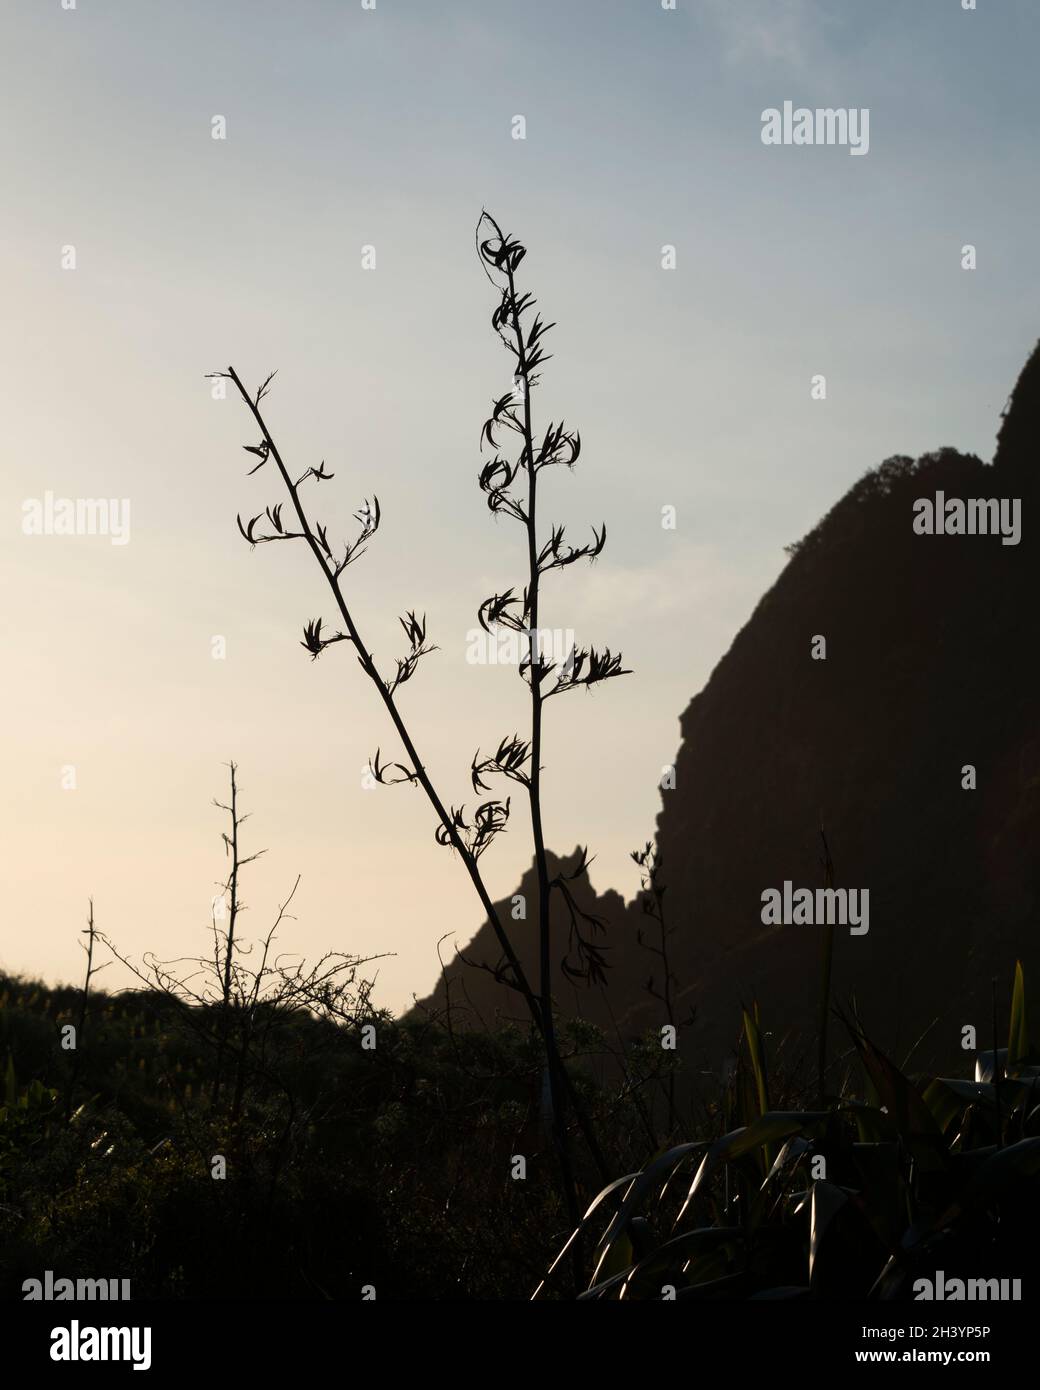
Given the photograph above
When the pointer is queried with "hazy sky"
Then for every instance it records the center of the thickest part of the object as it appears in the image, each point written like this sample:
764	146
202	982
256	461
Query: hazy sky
691	387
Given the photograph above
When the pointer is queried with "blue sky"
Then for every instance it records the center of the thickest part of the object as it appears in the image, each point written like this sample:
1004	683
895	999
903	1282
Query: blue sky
691	389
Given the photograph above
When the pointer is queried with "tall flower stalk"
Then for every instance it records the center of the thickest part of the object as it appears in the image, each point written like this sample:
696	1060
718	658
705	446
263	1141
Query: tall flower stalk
511	488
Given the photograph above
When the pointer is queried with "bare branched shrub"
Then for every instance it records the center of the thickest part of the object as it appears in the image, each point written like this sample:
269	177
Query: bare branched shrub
236	998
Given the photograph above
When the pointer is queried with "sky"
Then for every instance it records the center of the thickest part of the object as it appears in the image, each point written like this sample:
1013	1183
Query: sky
138	253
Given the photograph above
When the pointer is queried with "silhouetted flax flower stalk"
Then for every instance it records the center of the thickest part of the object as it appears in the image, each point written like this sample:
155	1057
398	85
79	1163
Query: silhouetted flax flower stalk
522	332
515	759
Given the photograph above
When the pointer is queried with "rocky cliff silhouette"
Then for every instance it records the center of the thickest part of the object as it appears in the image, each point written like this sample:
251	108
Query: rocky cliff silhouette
932	664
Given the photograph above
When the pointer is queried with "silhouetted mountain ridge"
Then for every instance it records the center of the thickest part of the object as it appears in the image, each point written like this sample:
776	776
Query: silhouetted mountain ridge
931	665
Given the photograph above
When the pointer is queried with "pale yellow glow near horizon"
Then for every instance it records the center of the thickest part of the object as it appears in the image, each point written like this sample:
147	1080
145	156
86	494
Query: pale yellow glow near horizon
690	388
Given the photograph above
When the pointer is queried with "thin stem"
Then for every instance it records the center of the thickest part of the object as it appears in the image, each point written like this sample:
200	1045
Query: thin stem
81	1025
827	963
534	784
225	1007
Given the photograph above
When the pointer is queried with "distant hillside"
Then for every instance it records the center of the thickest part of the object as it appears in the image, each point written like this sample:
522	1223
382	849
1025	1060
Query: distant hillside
933	662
